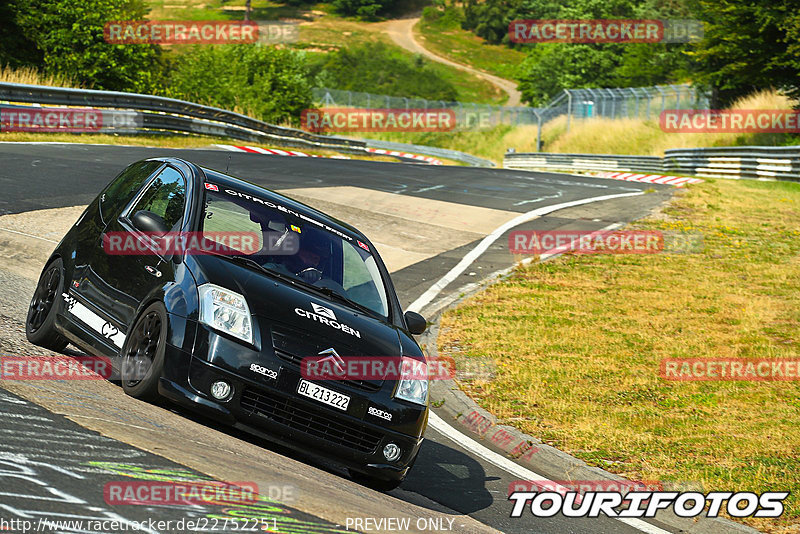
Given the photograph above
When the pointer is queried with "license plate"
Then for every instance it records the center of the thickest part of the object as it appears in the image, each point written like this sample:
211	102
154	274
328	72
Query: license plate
323	395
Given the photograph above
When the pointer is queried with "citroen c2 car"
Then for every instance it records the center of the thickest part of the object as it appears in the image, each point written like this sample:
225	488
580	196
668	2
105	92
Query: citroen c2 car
225	332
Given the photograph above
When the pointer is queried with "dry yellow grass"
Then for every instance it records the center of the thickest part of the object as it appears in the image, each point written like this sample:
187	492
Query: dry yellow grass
578	343
595	136
638	136
32	76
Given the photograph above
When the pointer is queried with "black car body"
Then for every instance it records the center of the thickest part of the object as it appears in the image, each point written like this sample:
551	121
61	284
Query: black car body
108	305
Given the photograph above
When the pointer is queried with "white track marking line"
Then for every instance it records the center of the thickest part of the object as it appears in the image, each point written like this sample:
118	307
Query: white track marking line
487	241
464	441
29	235
490	456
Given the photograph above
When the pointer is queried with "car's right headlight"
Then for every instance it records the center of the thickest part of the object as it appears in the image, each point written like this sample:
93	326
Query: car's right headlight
226	311
413	385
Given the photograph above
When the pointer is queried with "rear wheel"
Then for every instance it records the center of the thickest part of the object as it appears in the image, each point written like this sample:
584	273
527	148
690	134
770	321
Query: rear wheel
142	355
40	322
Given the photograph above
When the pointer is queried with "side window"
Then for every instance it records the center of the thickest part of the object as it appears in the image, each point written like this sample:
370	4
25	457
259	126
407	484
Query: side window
165	196
225	216
120	191
354	273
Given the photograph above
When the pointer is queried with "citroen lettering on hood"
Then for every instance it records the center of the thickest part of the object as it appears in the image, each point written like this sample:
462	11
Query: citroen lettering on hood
326	316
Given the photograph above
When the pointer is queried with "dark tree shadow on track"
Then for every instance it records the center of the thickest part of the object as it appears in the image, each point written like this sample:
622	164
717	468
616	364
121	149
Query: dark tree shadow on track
449	477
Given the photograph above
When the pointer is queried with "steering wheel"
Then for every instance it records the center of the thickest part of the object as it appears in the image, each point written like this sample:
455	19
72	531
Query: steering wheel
312	275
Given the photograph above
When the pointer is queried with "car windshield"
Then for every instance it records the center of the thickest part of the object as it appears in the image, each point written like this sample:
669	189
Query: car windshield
290	244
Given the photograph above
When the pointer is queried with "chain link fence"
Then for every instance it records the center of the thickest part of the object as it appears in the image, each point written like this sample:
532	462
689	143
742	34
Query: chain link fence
576	104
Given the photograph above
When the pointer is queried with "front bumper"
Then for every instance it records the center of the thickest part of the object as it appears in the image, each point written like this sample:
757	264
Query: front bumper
271	408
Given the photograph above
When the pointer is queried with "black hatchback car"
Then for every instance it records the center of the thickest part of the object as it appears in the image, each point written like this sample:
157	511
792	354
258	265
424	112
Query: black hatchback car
222	323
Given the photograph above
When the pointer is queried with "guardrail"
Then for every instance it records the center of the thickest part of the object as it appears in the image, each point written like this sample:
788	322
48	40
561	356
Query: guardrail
155	114
446	153
748	162
138	114
752	162
593	162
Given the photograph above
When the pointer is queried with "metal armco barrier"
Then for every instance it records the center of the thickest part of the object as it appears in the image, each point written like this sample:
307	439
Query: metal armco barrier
161	115
593	162
432	151
752	162
137	114
747	162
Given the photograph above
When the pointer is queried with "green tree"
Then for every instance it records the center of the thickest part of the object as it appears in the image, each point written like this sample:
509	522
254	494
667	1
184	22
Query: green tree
553	67
264	82
69	36
748	46
368	9
16	50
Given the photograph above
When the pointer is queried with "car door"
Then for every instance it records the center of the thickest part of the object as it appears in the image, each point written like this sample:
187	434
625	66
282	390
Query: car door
121	277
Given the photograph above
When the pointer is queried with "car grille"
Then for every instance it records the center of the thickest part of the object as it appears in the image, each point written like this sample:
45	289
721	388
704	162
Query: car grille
291	413
361	384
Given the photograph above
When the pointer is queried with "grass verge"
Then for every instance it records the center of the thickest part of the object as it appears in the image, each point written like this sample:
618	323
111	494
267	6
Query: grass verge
578	342
164	142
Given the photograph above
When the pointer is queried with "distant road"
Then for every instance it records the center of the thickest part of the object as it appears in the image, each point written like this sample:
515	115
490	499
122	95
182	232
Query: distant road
402	32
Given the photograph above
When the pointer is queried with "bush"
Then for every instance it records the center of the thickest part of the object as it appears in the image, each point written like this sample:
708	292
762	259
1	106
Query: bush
375	68
368	9
264	82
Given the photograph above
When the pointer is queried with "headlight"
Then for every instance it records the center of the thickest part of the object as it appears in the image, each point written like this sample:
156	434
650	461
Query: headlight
413	385
225	311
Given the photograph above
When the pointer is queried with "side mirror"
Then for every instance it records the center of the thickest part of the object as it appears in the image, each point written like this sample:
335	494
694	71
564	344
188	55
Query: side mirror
147	221
415	322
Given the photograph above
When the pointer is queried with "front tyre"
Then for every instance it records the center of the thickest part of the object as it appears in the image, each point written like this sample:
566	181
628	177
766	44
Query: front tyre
378	484
40	322
142	355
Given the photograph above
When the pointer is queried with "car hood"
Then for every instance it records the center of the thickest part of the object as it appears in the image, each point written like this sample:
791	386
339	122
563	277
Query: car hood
298	323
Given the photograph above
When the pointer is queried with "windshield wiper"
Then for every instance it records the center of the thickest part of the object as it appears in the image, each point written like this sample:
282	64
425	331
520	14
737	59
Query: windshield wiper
250	262
326	291
332	293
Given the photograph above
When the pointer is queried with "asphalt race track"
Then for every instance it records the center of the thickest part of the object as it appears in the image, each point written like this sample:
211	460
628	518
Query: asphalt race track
66	440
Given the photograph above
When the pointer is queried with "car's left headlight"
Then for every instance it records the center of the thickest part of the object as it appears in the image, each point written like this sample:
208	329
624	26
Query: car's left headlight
226	311
413	385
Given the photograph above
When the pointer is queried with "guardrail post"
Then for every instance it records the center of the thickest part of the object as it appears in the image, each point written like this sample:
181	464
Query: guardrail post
539	133
569	107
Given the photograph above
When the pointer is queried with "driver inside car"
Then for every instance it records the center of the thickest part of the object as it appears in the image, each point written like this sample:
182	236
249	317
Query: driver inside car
311	257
